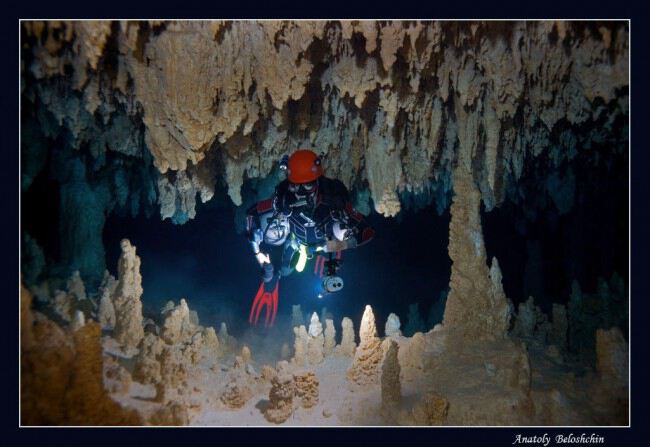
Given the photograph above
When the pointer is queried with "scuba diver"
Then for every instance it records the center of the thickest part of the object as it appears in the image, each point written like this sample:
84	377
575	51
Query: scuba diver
308	214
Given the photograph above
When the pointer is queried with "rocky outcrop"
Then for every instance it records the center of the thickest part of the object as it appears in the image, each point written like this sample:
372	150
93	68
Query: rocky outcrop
62	375
128	307
365	369
476	307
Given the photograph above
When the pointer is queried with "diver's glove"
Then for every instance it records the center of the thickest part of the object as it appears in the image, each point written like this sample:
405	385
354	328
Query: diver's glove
262	258
267	270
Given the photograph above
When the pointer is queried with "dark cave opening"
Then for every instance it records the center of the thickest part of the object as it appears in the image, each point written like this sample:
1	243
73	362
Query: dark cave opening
209	264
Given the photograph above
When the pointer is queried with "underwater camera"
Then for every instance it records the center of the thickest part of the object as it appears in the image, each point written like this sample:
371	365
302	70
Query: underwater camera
331	283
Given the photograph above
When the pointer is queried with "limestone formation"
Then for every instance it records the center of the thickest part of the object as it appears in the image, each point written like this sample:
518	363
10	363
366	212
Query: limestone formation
306	386
316	341
613	359
236	394
61	375
211	342
386	100
106	313
147	362
330	338
63	305
177	325
365	369
411	356
280	406
246	354
392	328
432	409
476	307
117	380
348	346
300	345
78	321
391	390
128	307
228	342
531	323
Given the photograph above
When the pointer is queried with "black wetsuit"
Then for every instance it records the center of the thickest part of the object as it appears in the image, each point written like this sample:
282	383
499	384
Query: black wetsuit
311	218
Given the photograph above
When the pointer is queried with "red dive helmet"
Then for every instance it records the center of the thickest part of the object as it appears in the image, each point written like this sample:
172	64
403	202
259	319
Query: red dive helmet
304	166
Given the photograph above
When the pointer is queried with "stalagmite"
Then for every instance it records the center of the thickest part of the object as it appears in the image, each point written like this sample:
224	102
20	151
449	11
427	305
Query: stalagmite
106	309
177	325
246	354
368	356
392	326
300	345
330	338
306	386
281	395
348	345
316	341
391	391
474	309
128	307
211	342
411	356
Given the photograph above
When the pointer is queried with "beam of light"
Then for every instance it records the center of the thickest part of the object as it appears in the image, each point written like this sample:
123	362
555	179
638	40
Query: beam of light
302	260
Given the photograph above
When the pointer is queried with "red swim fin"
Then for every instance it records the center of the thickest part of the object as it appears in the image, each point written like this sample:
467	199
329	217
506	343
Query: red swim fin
267	296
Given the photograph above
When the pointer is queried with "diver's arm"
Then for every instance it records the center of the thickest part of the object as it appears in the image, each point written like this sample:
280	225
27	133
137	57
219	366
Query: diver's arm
254	230
350	230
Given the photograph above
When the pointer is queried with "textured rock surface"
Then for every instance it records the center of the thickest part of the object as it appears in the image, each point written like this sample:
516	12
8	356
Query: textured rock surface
177	325
106	309
281	395
392	326
613	360
391	390
316	341
392	103
128	307
62	376
306	389
348	346
300	346
476	306
365	369
330	337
